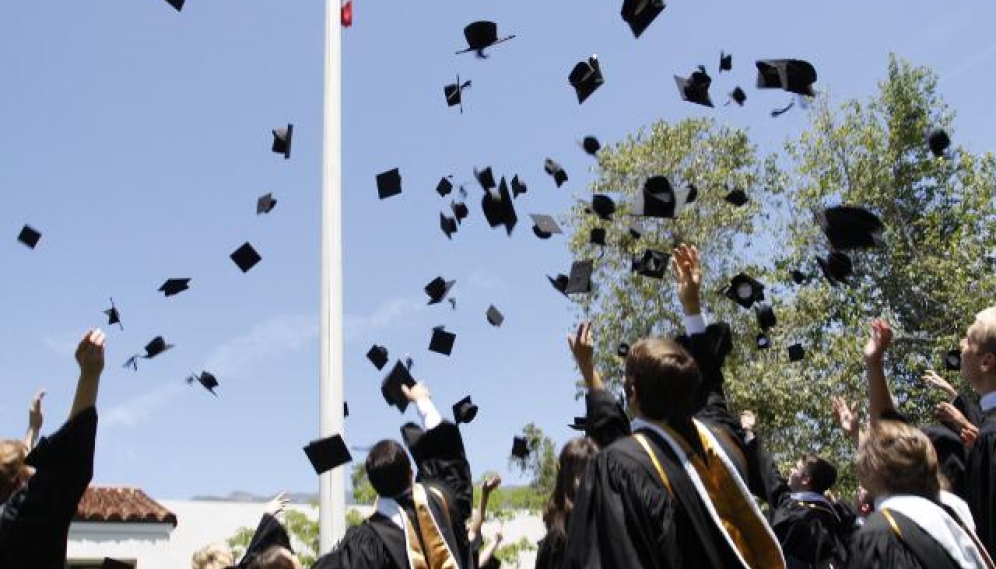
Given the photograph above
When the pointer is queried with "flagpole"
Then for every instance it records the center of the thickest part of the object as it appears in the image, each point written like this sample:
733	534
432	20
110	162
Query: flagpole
332	488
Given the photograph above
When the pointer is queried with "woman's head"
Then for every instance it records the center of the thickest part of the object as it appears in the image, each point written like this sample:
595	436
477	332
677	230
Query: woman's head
213	556
574	460
13	472
662	380
896	458
276	557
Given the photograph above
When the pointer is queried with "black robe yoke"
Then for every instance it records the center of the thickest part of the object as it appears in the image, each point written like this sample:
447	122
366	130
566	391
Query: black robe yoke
34	521
978	486
876	546
270	532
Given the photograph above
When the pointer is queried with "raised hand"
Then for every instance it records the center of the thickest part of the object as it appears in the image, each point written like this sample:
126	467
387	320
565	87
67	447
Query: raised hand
276	505
932	379
35	415
878	341
490	484
416	392
90	354
582	345
846	416
688	272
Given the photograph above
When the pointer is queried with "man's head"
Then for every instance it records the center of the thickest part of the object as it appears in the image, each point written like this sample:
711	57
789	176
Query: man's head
662	381
13	472
978	352
896	458
275	557
812	474
213	556
389	469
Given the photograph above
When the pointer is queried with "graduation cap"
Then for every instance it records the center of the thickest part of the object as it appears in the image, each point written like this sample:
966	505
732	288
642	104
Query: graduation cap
480	36
559	283
178	4
796	352
448	225
635	232
378	356
389	183
603	206
657	199
622	350
282	138
579	424
762	342
781	111
265	204
952	360
579	281
441	341
792	75
725	61
736	197
498	207
485	178
586	78
206	379
29	236
518	187
836	267
390	387
345	409
454	93
591	145
555	170
799	277
464	411
157	346
938	141
113	316
520	448
174	286
246	257
109	563
695	87
652	264
437	289
738	96
597	236
744	290
544	226
850	227
460	211
765	315
444	187
639	14
326	454
495	317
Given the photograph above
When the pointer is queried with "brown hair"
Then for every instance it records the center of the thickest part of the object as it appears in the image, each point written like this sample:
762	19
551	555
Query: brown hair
665	378
574	460
275	557
821	473
896	458
12	469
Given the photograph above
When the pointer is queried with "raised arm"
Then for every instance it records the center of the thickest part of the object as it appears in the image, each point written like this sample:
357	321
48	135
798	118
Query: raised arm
847	418
90	357
606	420
933	379
879	397
583	348
490	484
35	421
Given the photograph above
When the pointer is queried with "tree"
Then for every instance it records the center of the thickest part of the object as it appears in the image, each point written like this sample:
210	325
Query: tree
540	464
363	491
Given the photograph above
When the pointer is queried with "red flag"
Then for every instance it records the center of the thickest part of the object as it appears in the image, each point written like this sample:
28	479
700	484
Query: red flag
347	14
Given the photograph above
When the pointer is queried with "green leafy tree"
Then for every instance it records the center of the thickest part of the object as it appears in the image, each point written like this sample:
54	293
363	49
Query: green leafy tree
363	491
540	465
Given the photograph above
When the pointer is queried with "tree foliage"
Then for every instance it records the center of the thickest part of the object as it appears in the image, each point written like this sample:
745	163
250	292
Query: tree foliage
363	491
540	465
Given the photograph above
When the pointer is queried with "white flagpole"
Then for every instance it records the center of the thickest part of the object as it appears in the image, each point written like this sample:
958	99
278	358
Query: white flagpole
332	488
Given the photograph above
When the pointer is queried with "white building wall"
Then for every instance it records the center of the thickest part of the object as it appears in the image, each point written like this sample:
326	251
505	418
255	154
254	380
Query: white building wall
141	543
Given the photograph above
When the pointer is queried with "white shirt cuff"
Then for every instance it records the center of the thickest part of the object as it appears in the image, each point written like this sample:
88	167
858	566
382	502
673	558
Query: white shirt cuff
428	413
695	324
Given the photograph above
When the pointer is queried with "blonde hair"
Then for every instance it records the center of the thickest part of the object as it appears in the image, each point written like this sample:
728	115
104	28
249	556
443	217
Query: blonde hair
12	468
984	330
213	556
896	458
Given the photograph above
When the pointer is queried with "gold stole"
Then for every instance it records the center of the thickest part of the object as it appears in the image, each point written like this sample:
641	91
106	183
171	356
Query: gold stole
748	533
437	554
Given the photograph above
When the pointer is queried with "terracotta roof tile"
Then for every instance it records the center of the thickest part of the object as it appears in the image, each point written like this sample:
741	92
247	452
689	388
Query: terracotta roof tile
121	505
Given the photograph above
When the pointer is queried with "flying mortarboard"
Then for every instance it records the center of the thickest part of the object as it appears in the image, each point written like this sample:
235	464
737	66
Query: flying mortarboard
850	227
765	315
657	199
245	257
282	138
603	206
437	289
109	563
498	207
792	75
556	170
157	346
799	277
390	388
464	411
326	454
448	225
265	204
480	36
622	350
444	187
441	341
744	290
206	379
460	210
29	236
591	145
796	352
952	360
544	226
781	111
938	141
736	197
579	424
495	317
518	187
454	93
579	281
635	231
389	183
178	4
113	316
377	356
345	409
586	78
520	448
559	283
485	178
639	14
174	286
725	61
597	236
652	264
695	87
738	96
837	267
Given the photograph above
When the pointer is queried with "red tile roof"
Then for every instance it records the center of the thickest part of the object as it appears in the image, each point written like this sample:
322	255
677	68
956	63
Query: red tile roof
121	505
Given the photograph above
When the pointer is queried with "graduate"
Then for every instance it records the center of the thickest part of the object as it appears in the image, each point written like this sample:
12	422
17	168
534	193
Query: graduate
40	491
672	493
420	525
574	459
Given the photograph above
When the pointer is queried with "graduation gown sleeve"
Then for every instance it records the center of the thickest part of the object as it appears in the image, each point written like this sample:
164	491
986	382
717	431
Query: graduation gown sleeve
978	486
550	554
269	533
361	548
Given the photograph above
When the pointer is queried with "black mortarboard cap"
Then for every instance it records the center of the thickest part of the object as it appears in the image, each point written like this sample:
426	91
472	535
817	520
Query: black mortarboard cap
437	289
282	138
938	141
850	227
441	341
579	424
109	563
765	315
691	194
246	257
762	341
544	226
652	264
744	290
796	352
495	317
725	61
454	93
390	388
658	198
952	360
460	210
377	356
345	409
389	183
739	96
591	145
695	87
579	281
448	225
597	236
464	411
520	448
586	78
481	35
265	204
174	286
29	236
635	231
485	178
206	379
499	208
837	267
555	170
736	197
639	14
178	4
113	315
799	277
622	350
792	75
559	282
444	187
326	454
157	346
603	206
518	187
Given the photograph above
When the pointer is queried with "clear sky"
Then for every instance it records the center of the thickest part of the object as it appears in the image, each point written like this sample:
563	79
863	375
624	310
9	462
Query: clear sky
137	140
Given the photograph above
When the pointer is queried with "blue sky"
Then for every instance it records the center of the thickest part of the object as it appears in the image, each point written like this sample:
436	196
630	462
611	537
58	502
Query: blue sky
137	140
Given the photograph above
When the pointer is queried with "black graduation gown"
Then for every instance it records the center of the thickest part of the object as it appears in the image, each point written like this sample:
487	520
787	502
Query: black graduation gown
622	515
34	521
876	546
442	465
550	552
269	532
978	486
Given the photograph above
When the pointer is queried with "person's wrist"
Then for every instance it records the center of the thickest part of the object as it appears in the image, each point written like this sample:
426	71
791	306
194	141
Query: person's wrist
876	358
692	306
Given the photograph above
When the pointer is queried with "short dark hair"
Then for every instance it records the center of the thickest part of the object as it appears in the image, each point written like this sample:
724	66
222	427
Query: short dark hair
822	474
273	558
666	380
388	468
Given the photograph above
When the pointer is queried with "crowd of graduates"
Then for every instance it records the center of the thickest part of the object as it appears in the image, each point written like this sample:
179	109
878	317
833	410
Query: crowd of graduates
672	478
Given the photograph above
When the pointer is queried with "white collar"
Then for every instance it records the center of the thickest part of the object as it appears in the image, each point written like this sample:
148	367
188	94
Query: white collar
390	509
988	402
933	520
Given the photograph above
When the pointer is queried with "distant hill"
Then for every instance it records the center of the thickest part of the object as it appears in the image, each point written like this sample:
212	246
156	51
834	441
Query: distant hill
240	496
